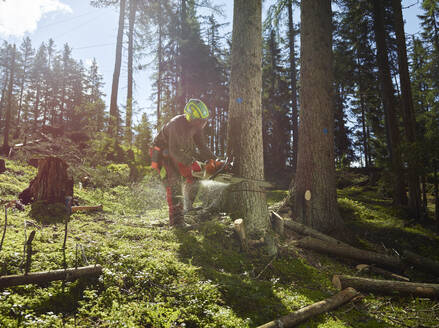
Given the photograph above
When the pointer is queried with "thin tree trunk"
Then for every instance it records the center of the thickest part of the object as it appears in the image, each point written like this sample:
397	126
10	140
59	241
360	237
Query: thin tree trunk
408	111
9	108
436	196
313	192
245	114
399	197
160	63
293	81
114	112
424	196
129	109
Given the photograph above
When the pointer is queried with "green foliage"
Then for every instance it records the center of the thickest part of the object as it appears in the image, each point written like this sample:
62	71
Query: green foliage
48	213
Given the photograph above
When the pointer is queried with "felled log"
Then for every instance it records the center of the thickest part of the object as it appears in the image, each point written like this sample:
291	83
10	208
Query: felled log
52	184
299	316
386	287
46	276
304	230
349	252
421	262
278	223
382	272
86	208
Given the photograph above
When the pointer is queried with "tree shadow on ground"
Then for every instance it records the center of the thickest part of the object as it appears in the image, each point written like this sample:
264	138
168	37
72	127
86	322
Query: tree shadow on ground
248	285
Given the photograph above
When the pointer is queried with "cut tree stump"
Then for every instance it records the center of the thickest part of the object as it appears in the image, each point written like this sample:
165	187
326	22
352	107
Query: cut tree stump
421	262
382	272
304	230
348	252
386	287
46	276
52	184
86	208
312	310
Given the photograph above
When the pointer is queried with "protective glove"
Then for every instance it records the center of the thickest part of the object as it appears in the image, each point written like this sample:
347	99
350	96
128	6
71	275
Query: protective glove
197	169
213	165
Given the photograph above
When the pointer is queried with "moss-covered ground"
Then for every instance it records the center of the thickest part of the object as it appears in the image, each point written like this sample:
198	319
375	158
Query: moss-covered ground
155	276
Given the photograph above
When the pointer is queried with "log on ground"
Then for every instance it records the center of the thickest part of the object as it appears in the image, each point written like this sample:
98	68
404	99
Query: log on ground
86	208
349	252
382	272
386	287
421	262
307	231
312	310
46	276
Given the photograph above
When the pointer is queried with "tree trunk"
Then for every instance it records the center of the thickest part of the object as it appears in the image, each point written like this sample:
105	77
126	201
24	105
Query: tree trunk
382	272
393	142
299	316
408	112
2	166
349	252
159	64
293	81
114	112
129	109
6	147
386	287
436	196
47	276
313	191
51	184
424	195
245	114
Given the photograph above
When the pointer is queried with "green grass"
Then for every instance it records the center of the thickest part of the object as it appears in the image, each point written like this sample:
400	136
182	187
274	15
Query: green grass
155	276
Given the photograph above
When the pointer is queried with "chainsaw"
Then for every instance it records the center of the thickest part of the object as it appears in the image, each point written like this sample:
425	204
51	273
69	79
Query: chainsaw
221	171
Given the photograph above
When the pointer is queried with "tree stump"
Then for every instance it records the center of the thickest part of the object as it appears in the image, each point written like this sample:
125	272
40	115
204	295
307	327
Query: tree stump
2	166
51	185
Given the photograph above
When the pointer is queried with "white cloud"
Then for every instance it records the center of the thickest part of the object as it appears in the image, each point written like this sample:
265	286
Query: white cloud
20	16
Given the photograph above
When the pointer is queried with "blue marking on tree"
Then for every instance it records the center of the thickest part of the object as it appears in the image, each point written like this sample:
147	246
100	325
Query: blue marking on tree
239	100
325	131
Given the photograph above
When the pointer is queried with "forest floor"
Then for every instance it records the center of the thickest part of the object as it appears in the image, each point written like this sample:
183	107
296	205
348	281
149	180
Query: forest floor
155	276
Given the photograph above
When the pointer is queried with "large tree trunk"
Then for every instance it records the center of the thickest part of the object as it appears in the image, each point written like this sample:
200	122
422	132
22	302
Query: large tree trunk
299	316
52	184
293	82
393	142
245	114
408	112
313	194
114	112
129	109
386	287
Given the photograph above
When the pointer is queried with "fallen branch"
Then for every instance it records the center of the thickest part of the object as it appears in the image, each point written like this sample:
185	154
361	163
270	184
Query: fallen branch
304	230
384	273
87	208
421	262
348	252
388	287
278	223
305	313
46	276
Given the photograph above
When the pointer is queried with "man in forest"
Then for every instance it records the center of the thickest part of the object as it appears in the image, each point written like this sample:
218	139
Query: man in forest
178	147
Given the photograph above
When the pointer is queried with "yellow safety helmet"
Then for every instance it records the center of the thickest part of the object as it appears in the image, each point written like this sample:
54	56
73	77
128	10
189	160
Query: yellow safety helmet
194	109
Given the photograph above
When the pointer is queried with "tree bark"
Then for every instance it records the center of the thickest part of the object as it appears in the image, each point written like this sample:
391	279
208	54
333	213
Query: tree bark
349	252
386	287
304	230
245	114
391	119
293	82
52	184
408	112
9	108
313	192
293	319
2	166
114	112
421	262
129	109
46	276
